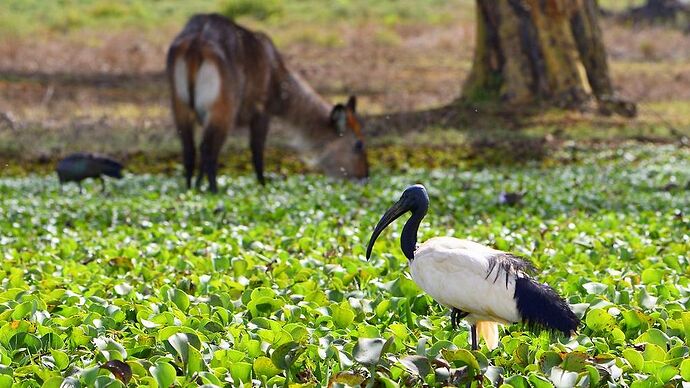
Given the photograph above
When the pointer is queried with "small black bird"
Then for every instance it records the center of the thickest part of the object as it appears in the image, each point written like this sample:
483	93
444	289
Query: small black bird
511	198
79	166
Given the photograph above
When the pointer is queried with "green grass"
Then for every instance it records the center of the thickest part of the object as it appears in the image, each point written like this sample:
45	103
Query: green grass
270	283
21	17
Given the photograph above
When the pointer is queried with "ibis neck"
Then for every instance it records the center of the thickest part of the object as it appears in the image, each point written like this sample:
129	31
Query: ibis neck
408	239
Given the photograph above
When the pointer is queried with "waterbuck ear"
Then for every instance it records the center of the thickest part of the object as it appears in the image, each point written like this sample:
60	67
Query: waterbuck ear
352	103
339	118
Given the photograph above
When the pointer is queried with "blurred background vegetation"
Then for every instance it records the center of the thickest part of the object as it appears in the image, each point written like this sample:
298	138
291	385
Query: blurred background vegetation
88	75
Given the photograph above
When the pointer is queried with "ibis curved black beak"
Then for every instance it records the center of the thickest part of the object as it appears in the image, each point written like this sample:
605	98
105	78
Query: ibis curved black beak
398	209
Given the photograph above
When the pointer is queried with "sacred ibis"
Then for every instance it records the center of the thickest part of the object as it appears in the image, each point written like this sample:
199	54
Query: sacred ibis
485	286
79	166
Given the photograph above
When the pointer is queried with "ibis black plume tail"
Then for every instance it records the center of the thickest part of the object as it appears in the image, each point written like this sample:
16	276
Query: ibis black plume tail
540	307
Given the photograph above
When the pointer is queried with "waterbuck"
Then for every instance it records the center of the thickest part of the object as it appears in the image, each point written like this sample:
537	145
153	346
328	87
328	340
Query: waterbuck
224	76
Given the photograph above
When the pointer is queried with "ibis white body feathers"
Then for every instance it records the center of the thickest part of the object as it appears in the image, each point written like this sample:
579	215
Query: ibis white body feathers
448	268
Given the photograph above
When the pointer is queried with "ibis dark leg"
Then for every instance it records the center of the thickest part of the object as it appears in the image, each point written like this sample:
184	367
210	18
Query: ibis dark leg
102	184
258	129
474	338
81	190
475	346
455	316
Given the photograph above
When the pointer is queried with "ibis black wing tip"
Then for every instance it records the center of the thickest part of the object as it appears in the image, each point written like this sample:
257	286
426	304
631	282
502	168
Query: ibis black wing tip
540	307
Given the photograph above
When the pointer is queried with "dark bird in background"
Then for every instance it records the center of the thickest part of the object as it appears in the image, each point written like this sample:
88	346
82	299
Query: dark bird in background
485	286
511	198
79	166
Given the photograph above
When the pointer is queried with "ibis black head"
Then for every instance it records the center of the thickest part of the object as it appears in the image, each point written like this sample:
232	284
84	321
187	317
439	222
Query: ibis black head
414	199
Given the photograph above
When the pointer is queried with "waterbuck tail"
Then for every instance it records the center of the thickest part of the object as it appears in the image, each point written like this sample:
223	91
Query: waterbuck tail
184	60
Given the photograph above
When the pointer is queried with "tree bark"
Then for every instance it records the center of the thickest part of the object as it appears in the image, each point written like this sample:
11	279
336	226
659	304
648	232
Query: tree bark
541	51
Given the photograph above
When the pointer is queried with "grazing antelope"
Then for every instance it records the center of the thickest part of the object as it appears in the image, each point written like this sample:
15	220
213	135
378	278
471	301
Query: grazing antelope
224	76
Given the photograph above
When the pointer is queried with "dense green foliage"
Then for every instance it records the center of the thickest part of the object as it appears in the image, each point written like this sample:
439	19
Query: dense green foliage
270	283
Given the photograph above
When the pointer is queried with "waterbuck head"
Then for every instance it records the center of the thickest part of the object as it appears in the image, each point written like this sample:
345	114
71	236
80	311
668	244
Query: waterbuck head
345	156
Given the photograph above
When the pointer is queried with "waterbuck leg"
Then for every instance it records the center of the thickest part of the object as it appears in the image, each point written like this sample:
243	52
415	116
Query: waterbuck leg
258	130
204	151
214	137
184	121
188	154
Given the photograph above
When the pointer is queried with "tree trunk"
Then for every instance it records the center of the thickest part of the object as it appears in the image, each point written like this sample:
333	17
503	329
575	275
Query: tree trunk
541	51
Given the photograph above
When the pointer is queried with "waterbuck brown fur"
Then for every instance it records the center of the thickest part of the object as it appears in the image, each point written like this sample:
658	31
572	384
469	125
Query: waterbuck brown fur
224	76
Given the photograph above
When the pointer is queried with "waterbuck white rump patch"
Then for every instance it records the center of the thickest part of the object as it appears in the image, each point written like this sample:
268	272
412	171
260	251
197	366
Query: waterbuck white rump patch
206	87
180	80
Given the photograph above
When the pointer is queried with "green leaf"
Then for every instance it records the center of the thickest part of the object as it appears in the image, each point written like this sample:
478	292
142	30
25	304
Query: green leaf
264	367
653	336
342	315
563	378
599	320
89	375
595	288
180	343
25	340
594	375
61	359
652	276
653	353
549	360
685	369
539	381
24	309
240	372
179	298
634	358
239	267
666	373
221	263
517	381
53	382
69	382
347	378
195	362
463	356
368	351
416	365
111	349
286	354
5	381
164	373
574	362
